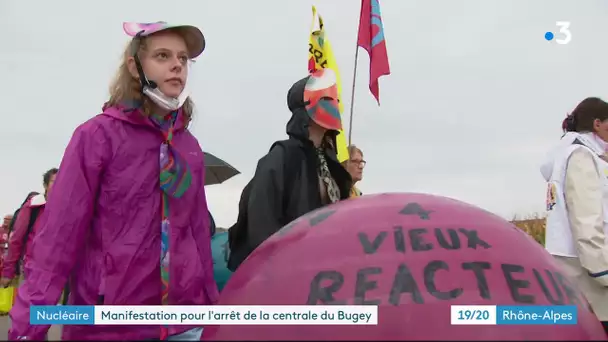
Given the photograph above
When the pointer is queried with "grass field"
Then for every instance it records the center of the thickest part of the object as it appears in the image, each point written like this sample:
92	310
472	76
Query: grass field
533	225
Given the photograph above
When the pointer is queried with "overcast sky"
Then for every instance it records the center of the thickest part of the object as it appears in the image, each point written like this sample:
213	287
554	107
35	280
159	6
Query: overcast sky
474	101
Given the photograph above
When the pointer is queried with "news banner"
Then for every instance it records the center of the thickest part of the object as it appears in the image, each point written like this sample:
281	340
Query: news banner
285	315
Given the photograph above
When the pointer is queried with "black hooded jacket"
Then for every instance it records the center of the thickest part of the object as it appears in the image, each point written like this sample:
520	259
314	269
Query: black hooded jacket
270	205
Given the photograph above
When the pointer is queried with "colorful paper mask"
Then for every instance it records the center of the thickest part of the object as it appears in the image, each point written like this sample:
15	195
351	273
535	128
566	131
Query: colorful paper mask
321	99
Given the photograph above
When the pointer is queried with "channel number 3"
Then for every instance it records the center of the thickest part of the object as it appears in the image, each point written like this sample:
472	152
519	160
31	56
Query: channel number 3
564	29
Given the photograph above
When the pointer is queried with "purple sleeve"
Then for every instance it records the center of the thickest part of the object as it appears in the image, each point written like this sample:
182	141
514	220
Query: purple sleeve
61	237
204	241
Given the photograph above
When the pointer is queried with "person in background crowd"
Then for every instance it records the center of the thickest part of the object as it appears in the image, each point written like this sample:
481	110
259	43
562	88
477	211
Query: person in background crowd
4	243
16	213
122	229
577	202
300	175
355	166
220	251
6	222
26	228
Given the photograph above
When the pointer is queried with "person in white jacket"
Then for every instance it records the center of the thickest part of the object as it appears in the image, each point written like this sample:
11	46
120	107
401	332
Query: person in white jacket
576	171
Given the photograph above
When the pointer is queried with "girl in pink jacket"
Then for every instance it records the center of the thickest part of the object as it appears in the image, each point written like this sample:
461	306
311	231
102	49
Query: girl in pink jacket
127	223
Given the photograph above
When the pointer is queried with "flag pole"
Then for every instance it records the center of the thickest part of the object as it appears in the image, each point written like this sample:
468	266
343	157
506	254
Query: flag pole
352	96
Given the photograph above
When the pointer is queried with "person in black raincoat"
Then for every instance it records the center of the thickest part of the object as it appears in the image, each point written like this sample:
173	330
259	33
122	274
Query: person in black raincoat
300	174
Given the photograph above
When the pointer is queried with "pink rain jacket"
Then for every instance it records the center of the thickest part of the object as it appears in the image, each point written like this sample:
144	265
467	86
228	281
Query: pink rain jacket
18	246
101	229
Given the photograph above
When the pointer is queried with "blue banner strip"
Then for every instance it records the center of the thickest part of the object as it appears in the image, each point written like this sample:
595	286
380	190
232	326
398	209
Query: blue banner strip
536	314
64	315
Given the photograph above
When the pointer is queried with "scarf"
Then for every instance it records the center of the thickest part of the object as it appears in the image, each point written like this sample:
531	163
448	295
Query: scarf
333	191
175	178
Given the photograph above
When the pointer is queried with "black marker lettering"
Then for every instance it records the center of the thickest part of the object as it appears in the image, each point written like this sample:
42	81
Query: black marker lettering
429	281
371	247
416	209
320	217
417	241
515	284
404	282
399	239
363	285
318	55
570	293
478	268
325	294
454	239
545	288
473	239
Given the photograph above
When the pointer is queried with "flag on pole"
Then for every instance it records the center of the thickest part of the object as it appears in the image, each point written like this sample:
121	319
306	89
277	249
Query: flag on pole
320	56
371	38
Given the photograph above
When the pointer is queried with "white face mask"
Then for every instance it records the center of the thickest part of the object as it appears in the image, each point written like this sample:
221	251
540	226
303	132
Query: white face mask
151	90
164	101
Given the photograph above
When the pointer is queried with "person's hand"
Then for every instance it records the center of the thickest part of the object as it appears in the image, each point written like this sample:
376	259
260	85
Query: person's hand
6	282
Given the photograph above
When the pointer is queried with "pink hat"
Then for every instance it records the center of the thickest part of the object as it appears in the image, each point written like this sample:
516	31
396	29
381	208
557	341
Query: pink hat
195	40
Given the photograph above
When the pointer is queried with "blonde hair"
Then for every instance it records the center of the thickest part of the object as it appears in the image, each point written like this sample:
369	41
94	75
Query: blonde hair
352	149
125	87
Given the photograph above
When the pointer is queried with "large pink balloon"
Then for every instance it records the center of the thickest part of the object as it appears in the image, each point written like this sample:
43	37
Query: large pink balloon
414	255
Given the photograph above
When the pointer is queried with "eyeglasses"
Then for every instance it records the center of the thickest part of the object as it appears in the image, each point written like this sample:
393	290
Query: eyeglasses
361	163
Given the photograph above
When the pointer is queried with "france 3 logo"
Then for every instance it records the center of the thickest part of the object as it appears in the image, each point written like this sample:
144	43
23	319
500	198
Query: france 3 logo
565	36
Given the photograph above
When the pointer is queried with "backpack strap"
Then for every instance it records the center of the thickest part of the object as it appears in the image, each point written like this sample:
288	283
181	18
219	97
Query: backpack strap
30	226
13	220
33	217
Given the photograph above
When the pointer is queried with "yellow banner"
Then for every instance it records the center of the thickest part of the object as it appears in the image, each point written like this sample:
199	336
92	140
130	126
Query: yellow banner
320	56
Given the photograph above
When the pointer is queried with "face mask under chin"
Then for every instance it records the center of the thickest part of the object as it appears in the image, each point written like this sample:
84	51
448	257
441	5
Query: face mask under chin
166	102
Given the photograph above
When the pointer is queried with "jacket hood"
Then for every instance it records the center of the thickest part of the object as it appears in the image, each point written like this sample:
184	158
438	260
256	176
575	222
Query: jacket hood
131	113
297	126
29	197
38	200
546	169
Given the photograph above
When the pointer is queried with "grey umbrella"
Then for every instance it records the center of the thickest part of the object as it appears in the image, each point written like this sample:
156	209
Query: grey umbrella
217	171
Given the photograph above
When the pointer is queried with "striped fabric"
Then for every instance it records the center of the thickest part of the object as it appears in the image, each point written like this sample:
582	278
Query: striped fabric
175	178
354	192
